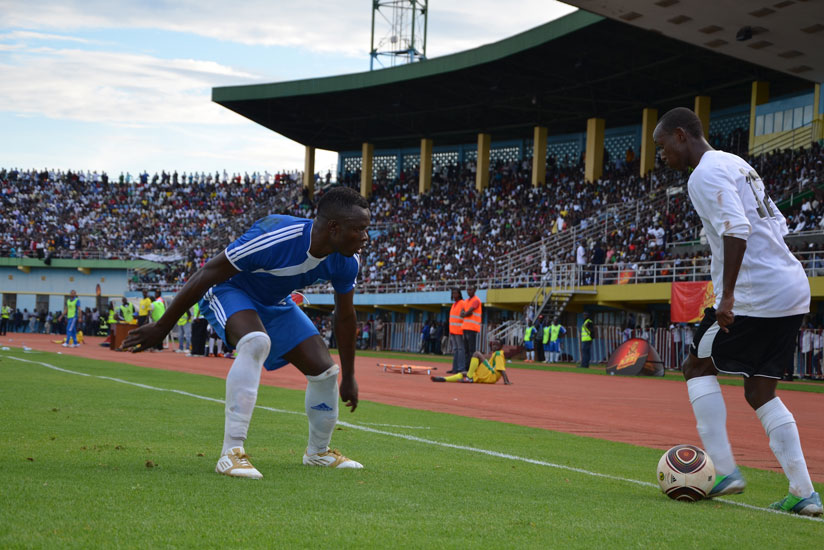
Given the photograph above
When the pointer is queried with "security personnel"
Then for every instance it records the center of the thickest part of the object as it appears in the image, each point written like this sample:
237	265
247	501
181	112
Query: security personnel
456	342
5	312
471	314
127	312
587	334
529	345
156	310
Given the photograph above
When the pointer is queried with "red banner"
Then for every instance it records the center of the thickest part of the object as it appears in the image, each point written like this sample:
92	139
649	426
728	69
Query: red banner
689	300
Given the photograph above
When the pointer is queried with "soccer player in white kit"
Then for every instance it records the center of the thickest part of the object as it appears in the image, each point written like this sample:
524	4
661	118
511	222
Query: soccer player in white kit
762	294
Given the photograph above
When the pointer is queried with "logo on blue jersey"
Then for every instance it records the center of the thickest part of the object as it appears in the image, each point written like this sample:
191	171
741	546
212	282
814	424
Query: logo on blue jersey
322	407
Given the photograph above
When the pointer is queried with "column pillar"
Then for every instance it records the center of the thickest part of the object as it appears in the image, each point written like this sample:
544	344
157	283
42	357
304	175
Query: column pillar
702	109
649	119
539	156
818	114
309	170
760	94
482	166
594	165
367	151
425	168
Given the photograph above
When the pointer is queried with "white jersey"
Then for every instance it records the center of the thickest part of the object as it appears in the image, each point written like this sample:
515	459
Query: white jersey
729	197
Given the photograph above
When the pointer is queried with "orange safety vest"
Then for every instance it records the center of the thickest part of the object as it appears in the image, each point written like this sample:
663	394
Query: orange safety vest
455	319
473	321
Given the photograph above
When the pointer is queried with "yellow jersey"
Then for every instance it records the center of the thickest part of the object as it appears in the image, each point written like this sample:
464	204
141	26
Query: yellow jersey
489	371
143	306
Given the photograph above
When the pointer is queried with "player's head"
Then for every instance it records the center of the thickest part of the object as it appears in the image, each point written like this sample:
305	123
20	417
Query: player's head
344	214
145	293
494	345
73	294
125	301
675	135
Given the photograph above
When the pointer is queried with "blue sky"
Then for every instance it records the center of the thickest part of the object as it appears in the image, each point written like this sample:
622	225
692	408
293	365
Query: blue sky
126	86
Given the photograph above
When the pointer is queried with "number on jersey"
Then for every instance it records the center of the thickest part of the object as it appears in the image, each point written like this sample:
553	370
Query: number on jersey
763	203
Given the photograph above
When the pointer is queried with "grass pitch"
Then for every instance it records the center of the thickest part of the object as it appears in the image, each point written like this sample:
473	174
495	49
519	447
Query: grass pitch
112	460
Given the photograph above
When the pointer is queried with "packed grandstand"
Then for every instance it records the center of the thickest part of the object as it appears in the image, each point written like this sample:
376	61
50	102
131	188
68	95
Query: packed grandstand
511	234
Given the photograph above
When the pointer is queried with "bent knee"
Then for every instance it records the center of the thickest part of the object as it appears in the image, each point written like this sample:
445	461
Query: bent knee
256	344
693	367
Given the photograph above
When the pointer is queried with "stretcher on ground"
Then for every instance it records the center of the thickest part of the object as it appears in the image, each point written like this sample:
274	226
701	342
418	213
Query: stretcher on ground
407	369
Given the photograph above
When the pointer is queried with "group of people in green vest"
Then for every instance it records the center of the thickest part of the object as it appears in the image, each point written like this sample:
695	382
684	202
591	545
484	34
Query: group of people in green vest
549	339
151	309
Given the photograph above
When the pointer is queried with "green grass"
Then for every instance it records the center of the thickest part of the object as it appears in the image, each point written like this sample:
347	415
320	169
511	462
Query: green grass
596	369
96	463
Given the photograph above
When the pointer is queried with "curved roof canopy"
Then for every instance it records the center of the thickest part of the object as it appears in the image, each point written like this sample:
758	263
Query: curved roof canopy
556	75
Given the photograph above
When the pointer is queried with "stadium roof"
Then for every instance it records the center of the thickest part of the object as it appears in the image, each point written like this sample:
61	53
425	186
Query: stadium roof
786	36
555	75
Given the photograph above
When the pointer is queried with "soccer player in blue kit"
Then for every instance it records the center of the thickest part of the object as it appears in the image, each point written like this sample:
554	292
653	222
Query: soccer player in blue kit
246	296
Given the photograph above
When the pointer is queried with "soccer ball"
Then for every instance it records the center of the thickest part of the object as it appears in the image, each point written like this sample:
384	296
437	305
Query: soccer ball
686	473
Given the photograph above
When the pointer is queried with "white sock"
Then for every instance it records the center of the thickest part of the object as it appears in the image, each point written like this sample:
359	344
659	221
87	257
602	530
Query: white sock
242	387
711	420
322	409
780	426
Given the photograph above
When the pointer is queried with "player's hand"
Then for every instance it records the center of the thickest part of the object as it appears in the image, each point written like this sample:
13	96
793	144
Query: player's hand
724	315
143	338
349	392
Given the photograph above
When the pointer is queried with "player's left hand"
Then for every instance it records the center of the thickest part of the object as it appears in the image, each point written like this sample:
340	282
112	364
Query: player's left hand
349	392
724	315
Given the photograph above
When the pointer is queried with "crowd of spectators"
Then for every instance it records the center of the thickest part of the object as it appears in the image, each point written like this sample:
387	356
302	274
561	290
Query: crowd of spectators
452	232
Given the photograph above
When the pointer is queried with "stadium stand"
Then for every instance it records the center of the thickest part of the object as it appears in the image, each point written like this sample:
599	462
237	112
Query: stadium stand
419	242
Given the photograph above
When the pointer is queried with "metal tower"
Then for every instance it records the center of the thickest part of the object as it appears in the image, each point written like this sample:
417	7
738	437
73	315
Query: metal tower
397	26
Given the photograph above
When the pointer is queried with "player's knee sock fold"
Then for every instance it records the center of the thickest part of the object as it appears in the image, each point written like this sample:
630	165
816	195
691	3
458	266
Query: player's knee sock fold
322	408
242	386
785	443
711	421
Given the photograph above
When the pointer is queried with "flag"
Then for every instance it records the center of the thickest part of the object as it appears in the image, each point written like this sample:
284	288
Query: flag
689	300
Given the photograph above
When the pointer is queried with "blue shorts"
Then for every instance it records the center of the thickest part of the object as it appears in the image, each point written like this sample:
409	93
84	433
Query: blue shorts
528	345
285	323
553	346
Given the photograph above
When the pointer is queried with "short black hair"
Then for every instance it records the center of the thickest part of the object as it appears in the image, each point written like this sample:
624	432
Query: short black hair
339	200
684	118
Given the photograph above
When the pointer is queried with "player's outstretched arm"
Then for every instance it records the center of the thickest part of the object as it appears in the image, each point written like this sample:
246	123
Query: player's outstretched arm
345	332
216	270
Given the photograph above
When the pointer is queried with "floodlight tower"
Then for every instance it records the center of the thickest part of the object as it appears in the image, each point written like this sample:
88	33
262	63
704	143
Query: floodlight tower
400	24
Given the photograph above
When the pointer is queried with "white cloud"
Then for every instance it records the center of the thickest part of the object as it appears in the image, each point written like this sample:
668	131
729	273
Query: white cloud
342	27
30	35
149	112
115	88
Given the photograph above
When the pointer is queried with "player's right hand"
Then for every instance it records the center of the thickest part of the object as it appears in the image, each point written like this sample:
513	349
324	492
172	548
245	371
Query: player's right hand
142	338
724	315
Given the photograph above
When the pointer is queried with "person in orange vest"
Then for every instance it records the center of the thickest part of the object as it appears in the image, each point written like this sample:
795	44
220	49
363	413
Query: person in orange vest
471	325
456	342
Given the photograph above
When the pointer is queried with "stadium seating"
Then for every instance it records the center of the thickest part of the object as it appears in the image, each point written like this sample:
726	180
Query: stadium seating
417	241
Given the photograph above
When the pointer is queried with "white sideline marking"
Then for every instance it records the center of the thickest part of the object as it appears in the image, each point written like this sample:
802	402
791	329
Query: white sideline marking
393	426
418	439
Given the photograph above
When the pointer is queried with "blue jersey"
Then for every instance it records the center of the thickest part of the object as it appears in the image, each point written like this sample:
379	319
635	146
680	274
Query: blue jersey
273	259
